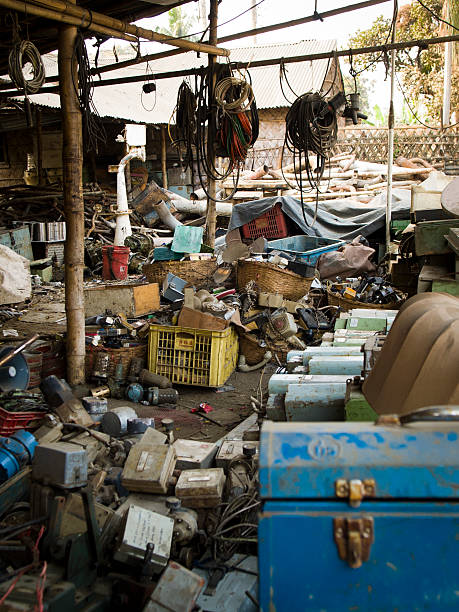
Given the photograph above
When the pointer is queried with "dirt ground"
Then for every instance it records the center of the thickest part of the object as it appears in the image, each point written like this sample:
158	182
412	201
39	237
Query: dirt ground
229	407
46	315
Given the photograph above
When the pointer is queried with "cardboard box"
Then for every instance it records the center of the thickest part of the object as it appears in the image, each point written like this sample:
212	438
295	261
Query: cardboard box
200	320
132	300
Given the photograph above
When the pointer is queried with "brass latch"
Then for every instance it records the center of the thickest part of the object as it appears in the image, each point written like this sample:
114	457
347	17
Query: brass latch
355	490
353	538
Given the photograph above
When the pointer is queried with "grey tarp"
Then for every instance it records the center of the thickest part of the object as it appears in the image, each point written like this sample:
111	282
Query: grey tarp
342	218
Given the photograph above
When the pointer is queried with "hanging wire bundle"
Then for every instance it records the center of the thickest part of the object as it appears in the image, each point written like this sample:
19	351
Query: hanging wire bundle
93	128
233	128
310	128
24	52
237	129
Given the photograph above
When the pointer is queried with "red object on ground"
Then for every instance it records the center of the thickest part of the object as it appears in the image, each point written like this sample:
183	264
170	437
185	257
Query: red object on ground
115	261
203	407
270	224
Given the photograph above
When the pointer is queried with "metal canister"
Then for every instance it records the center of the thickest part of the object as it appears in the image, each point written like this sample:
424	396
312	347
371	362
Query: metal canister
114	422
139	426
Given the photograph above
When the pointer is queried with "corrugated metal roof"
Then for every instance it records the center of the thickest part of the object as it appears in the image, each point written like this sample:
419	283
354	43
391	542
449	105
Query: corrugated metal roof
126	102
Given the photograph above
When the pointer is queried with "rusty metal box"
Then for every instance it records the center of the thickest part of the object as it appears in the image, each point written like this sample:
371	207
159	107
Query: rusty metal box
148	468
230	449
194	454
200	488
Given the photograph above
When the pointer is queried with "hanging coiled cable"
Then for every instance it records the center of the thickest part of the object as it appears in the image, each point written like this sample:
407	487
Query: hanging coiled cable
310	127
25	52
234	130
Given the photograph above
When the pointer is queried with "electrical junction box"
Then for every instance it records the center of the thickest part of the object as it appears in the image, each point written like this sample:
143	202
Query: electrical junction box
229	450
177	590
148	468
143	527
192	454
200	488
376	507
60	464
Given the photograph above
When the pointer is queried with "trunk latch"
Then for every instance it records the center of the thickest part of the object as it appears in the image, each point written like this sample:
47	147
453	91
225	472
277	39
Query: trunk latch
353	538
355	490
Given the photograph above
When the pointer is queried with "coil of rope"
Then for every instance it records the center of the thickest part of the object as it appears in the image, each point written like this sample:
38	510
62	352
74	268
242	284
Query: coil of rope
310	127
24	52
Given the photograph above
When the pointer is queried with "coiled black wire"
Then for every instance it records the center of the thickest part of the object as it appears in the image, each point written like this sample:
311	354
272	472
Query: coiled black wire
310	127
94	130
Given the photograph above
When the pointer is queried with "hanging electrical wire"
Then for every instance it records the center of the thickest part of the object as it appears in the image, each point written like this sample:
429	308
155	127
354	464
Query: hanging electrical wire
93	128
224	114
310	128
24	52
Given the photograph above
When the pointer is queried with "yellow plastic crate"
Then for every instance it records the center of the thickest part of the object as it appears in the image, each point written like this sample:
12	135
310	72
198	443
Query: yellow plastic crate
190	356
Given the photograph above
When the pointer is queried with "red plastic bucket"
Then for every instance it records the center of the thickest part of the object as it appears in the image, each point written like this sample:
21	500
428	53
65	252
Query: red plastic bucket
115	262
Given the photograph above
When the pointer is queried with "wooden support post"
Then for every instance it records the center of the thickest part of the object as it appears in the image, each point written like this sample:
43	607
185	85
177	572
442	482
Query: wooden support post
211	218
39	144
72	162
164	156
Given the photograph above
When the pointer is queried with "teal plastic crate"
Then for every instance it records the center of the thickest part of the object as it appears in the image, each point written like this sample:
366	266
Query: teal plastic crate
306	248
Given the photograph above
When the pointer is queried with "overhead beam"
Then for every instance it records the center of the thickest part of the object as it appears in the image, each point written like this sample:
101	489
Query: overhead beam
302	20
61	10
259	63
286	24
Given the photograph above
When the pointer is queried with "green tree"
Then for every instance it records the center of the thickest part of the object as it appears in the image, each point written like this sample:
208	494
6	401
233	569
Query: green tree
180	24
419	71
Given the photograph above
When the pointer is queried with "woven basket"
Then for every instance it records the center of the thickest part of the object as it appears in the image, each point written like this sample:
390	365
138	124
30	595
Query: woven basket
254	353
335	299
123	355
269	277
197	273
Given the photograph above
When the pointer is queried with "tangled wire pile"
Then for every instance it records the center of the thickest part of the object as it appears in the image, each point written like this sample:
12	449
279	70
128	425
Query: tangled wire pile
310	127
234	130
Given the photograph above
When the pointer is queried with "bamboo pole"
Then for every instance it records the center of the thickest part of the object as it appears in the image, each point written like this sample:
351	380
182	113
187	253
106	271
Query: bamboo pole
211	217
155	56
38	11
72	162
92	20
39	144
390	138
424	42
164	156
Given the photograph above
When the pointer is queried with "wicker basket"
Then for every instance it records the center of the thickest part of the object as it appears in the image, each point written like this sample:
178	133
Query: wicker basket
197	273
254	353
269	277
123	355
335	299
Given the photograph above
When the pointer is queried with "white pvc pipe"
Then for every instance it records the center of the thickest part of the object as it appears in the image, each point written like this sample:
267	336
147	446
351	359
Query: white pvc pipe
123	223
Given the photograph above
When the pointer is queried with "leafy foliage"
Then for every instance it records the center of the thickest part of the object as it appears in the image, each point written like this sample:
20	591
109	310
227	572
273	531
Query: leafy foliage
180	24
420	71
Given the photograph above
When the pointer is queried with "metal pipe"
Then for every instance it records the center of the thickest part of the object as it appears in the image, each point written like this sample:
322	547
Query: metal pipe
390	147
18	349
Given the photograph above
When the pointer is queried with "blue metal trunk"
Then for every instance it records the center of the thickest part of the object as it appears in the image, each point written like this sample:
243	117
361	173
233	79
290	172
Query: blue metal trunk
392	547
351	365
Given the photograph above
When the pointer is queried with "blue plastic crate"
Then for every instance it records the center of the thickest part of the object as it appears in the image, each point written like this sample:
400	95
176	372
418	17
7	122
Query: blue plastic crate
306	248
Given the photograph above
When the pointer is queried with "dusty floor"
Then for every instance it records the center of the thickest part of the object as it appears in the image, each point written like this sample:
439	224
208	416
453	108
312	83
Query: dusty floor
46	315
229	407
